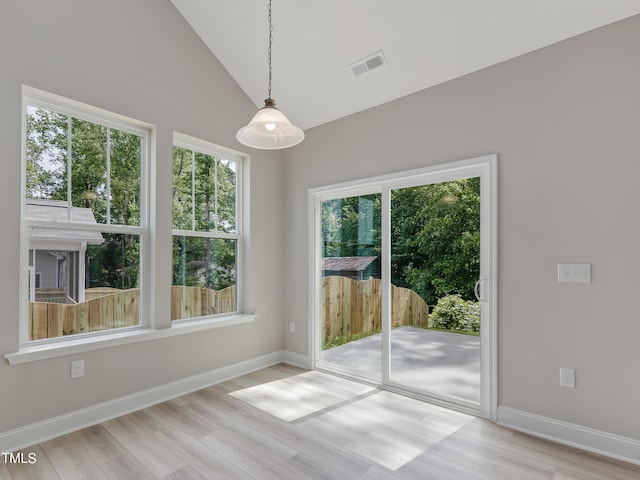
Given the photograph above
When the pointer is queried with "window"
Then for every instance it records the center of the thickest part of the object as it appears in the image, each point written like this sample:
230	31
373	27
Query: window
87	274
206	233
84	213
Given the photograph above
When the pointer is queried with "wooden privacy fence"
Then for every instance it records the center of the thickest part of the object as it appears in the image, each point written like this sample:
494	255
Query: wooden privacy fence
114	310
188	302
106	308
350	307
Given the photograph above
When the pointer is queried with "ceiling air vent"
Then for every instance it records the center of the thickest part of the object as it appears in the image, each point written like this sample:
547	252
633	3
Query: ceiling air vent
362	66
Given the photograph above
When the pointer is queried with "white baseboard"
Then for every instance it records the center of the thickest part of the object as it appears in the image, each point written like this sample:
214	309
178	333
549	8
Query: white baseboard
596	441
22	437
296	359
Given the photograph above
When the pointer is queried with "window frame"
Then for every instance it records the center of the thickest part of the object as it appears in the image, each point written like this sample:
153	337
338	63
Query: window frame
71	108
197	145
153	324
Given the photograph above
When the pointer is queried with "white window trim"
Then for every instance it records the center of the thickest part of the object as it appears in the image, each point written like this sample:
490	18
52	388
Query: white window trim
30	351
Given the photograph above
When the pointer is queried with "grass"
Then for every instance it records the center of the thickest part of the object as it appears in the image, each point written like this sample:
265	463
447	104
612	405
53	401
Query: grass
334	342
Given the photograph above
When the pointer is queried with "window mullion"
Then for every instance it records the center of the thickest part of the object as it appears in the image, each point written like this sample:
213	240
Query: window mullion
108	193
215	194
88	227
386	283
212	234
69	154
193	190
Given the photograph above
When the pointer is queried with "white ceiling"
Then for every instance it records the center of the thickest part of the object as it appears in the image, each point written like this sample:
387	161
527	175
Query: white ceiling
425	42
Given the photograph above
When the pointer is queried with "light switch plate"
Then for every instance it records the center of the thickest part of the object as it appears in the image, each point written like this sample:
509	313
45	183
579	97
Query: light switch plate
574	272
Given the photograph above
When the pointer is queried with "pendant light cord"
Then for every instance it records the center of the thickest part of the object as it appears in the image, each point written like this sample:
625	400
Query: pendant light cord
269	51
269	129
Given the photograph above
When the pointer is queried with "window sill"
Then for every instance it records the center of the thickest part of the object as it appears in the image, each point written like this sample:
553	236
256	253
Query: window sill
34	353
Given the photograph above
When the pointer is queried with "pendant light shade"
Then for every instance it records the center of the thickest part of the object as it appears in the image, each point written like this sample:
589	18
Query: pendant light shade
269	129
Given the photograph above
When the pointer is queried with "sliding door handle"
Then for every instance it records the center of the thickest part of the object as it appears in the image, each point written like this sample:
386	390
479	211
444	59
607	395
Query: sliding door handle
477	290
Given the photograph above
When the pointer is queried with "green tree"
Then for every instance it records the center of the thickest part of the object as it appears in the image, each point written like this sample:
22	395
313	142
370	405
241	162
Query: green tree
46	153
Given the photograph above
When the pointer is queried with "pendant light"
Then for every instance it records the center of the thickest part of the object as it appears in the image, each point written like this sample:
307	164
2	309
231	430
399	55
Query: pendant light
269	129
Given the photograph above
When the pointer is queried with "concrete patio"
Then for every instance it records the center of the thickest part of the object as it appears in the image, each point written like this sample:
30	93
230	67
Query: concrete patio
439	362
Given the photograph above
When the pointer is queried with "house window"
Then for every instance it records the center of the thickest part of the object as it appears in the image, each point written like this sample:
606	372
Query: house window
206	229
84	213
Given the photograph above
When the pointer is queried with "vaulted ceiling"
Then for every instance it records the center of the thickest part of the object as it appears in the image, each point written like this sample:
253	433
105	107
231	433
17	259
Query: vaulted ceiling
424	43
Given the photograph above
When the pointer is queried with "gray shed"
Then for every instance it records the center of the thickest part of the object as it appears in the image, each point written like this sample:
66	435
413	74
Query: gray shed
57	256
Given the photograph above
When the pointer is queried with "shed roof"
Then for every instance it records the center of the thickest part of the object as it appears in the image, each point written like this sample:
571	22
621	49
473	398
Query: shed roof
57	211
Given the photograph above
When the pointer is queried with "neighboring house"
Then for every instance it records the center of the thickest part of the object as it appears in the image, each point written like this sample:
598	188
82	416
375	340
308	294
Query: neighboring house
357	268
57	262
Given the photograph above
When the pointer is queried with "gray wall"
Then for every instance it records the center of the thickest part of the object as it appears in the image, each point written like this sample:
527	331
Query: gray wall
140	59
565	122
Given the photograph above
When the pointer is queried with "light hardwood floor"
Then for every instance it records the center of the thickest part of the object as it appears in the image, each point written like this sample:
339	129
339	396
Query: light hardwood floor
286	423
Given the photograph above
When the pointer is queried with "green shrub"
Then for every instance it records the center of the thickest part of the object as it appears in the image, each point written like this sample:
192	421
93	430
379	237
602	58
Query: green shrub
454	313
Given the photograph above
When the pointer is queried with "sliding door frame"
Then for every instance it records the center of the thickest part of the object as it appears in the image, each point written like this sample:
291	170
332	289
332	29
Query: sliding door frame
484	167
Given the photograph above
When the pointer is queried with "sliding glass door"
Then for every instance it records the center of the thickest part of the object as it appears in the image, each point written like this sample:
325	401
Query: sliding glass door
403	282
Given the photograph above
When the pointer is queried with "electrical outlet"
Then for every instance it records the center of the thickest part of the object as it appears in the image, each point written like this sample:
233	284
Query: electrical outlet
292	327
568	377
77	368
